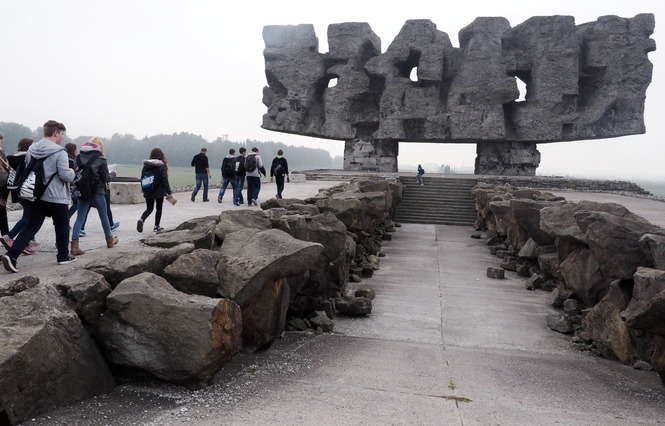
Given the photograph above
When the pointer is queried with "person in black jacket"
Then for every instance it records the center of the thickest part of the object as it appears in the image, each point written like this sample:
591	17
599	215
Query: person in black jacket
92	181
228	174
240	177
202	171
15	160
155	184
71	153
279	171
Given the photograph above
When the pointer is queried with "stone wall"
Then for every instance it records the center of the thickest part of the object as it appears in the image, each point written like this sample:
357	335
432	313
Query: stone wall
604	265
572	184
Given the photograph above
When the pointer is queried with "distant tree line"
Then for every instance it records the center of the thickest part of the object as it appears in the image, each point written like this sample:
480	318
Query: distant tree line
181	147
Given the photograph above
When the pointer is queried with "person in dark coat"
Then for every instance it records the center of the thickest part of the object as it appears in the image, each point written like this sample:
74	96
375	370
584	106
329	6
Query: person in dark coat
228	175
4	192
155	184
279	171
71	153
91	187
15	160
240	174
202	171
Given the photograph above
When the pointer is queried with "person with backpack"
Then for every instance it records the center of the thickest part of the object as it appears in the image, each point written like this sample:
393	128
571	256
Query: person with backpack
45	185
4	192
202	171
17	163
155	185
279	171
254	169
419	176
71	156
240	177
92	179
228	175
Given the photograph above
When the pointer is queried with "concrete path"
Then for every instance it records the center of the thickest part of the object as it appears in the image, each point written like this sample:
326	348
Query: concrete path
444	345
44	261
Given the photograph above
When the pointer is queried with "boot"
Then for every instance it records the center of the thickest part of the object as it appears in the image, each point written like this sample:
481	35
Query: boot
112	241
75	250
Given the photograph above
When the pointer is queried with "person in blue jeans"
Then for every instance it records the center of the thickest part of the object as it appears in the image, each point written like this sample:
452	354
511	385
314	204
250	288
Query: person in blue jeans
202	171
240	177
15	161
91	190
254	169
228	175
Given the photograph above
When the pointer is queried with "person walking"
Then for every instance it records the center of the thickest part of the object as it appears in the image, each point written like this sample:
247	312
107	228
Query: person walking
254	169
17	162
155	185
49	162
202	171
419	176
71	156
228	175
279	170
92	180
240	177
4	192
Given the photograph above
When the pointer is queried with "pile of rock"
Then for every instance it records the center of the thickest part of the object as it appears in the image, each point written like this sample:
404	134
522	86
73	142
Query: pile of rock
604	265
188	300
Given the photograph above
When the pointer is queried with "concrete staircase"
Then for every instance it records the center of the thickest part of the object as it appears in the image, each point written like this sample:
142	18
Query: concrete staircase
442	201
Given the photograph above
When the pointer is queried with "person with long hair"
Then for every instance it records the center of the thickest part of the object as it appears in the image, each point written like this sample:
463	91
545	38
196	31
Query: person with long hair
92	180
155	185
15	161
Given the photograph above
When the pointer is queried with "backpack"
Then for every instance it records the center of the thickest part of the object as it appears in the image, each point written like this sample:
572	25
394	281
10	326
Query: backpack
148	180
250	163
228	166
279	170
14	176
30	182
85	182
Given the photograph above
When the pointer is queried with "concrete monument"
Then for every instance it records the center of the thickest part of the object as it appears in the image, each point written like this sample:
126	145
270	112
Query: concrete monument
582	82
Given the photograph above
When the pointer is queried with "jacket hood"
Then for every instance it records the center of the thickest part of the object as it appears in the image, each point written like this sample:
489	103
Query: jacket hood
18	154
153	163
89	147
44	148
231	156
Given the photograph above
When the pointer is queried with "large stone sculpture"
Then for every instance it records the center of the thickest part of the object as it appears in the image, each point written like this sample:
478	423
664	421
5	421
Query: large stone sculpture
582	82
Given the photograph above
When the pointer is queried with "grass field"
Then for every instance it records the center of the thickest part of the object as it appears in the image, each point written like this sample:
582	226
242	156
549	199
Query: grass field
178	176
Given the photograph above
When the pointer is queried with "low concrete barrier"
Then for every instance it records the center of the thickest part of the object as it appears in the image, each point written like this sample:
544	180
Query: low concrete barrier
126	193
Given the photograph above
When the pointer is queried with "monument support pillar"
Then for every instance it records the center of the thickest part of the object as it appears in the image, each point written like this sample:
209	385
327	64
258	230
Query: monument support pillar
376	155
507	158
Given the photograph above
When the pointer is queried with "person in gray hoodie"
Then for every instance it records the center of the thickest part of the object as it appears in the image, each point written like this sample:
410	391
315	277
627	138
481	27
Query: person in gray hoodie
254	169
55	200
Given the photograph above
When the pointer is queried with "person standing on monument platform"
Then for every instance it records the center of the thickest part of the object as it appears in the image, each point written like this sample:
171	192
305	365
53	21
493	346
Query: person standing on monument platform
202	171
279	170
419	176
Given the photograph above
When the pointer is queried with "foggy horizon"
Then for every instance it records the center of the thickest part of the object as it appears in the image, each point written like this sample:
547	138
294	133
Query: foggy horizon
167	67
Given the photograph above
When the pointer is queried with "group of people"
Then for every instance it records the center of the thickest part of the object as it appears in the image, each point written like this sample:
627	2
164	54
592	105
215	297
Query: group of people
238	169
49	180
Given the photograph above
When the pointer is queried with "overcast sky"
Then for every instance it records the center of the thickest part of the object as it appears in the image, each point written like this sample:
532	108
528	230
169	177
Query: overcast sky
160	66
